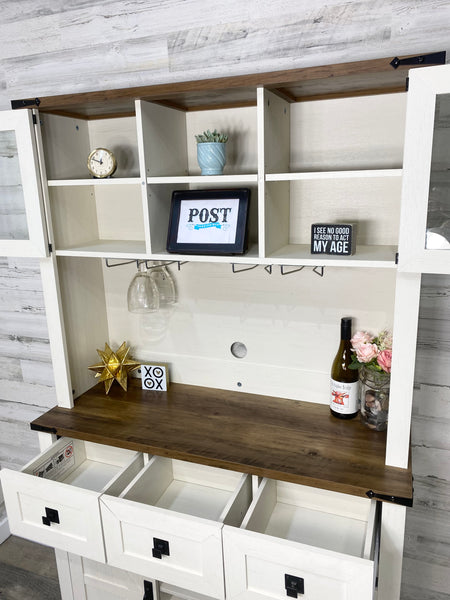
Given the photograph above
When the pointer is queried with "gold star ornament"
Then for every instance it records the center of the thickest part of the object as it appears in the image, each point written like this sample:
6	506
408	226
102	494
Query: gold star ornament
114	366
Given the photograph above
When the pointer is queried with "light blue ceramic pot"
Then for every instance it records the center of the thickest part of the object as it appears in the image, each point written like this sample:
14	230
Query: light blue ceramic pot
211	157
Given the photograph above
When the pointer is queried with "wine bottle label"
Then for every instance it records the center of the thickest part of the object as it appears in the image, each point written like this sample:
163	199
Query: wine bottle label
344	397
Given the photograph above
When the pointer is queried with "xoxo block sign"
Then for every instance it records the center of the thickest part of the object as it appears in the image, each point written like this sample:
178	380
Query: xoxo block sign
155	377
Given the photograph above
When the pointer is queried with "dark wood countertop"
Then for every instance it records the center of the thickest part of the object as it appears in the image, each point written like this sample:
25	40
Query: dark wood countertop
277	438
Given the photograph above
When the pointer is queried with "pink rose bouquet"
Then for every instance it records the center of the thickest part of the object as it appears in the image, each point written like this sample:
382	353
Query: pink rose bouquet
372	352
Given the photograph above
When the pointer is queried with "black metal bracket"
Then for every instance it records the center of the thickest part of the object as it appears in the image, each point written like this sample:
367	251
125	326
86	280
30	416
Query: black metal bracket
293	270
51	516
160	548
319	271
394	499
148	590
294	585
436	58
43	429
24	103
236	269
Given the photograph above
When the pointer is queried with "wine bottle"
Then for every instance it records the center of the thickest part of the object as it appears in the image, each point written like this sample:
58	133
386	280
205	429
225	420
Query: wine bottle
344	402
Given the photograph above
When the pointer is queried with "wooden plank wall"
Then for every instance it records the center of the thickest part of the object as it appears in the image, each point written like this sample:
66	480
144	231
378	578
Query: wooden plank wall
26	376
49	47
427	543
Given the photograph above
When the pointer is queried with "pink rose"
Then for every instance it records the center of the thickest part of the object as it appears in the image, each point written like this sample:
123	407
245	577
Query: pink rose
385	360
360	337
366	352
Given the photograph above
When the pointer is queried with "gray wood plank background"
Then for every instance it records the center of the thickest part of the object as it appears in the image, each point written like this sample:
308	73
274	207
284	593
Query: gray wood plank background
54	47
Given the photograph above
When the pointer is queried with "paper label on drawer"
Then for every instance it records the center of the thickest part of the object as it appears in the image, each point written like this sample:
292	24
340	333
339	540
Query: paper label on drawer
58	464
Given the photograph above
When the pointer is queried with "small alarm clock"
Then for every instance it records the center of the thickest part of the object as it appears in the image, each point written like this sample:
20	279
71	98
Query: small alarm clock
101	163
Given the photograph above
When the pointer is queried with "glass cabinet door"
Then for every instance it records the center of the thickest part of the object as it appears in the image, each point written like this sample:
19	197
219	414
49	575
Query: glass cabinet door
438	212
22	222
425	222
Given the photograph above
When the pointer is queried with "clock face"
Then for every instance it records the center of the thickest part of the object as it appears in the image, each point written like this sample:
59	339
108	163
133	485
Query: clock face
101	162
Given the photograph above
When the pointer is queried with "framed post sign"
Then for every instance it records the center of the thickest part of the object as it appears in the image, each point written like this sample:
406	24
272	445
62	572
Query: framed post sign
333	238
209	221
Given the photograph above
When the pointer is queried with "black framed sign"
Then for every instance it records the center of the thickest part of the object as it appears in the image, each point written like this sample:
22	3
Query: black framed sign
333	238
209	221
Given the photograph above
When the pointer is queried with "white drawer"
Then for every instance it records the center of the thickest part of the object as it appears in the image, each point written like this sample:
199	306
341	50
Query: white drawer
302	542
167	523
92	580
54	500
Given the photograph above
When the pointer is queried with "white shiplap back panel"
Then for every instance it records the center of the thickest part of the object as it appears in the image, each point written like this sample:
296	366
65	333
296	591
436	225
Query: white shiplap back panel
120	136
348	133
290	324
119	212
373	204
239	124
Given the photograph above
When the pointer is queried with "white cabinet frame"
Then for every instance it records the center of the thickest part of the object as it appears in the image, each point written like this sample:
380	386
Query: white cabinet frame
424	86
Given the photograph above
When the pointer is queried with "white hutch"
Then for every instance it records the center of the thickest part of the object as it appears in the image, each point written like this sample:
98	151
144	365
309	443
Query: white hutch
236	483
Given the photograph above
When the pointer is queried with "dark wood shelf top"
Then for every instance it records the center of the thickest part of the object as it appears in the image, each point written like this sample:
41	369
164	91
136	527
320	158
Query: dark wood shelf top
355	78
277	438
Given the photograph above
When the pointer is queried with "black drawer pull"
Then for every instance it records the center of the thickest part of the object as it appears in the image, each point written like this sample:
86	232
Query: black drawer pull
148	590
294	585
51	516
160	547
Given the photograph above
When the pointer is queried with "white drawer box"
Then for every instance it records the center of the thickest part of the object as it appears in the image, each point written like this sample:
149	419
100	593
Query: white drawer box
301	542
167	523
92	580
54	500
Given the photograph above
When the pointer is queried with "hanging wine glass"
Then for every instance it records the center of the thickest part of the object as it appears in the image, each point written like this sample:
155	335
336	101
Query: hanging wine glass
164	283
143	295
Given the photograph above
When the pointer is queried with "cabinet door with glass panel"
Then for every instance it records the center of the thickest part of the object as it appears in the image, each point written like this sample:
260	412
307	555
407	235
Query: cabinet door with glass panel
425	231
22	221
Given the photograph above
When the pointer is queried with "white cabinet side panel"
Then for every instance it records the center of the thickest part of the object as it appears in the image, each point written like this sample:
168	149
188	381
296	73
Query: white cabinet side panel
403	363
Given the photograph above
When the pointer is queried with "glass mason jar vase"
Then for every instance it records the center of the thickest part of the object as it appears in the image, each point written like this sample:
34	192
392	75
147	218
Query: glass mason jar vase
374	389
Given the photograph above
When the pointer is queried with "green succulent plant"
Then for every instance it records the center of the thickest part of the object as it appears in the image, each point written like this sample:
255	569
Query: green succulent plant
215	136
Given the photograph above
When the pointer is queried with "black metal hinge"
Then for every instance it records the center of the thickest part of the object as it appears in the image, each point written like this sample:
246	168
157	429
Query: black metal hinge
43	429
24	103
436	58
50	248
393	499
396	258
